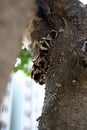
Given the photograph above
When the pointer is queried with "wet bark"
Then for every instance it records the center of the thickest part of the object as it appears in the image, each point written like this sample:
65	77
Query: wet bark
65	103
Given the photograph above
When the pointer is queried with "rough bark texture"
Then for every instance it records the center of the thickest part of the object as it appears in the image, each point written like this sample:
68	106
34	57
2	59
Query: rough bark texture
13	17
65	104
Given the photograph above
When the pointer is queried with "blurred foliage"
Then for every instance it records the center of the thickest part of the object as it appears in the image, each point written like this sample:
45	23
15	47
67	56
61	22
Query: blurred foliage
24	62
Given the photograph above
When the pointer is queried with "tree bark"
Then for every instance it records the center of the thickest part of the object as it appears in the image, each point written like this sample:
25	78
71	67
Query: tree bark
65	104
13	17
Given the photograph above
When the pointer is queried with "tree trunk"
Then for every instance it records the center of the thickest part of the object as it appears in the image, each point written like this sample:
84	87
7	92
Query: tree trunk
65	104
13	17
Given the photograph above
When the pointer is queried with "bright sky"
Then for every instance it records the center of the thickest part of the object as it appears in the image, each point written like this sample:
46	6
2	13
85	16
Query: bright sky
84	1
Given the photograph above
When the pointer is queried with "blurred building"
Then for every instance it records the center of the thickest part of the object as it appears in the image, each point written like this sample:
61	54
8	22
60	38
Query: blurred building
6	108
25	104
